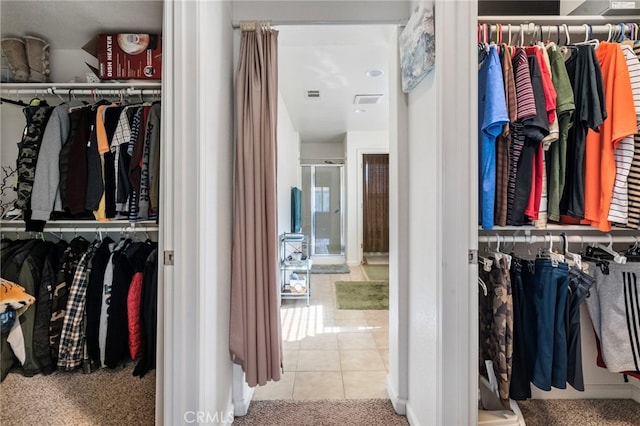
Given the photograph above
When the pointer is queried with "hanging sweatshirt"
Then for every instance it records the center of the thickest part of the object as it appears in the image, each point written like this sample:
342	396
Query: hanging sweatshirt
45	195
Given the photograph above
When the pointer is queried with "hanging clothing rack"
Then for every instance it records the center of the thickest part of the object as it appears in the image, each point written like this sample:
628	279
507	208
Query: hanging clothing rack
541	31
84	228
533	239
55	91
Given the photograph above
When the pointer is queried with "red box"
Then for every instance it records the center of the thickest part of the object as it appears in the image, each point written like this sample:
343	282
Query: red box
129	56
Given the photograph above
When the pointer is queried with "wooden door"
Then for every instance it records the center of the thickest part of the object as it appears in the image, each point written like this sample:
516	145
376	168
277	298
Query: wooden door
375	205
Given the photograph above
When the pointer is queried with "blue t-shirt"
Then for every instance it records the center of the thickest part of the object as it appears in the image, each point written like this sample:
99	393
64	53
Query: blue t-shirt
492	116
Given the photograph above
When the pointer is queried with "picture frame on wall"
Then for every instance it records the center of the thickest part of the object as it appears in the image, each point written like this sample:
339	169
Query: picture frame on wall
418	46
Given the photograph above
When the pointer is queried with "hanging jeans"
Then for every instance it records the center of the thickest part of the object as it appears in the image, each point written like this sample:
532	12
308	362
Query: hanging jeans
546	339
579	285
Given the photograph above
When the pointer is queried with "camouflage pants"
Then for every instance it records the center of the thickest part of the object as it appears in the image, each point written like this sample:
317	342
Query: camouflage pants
29	148
496	325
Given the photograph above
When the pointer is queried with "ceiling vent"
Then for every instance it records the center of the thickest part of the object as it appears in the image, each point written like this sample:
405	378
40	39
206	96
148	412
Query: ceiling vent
312	95
367	99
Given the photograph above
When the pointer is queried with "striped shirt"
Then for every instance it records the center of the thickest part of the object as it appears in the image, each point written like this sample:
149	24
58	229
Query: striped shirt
624	153
526	108
503	141
633	180
122	136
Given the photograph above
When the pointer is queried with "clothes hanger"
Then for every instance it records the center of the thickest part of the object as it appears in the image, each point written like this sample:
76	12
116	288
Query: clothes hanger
486	262
606	250
483	285
556	258
499	255
573	259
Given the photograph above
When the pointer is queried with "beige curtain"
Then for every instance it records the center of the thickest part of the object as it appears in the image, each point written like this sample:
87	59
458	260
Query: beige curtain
254	335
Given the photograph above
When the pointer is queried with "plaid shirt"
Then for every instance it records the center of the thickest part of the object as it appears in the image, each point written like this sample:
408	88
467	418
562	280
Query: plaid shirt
72	338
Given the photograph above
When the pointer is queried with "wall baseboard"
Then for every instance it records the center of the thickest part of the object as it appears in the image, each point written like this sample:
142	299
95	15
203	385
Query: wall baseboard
242	393
399	405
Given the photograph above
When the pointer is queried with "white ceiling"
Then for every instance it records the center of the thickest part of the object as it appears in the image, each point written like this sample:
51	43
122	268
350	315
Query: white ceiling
334	60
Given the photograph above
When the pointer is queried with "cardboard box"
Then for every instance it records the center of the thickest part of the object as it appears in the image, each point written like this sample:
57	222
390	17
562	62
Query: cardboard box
127	56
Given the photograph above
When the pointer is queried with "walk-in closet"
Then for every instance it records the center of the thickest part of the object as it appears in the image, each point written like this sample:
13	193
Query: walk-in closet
82	215
559	208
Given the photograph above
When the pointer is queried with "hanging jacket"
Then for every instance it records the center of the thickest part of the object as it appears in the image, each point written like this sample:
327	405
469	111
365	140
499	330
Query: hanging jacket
149	316
134	301
72	343
13	259
51	265
29	148
117	342
94	298
77	247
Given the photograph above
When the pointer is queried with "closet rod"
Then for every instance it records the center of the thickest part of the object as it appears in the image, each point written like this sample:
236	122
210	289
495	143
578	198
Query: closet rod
52	91
535	239
83	229
532	28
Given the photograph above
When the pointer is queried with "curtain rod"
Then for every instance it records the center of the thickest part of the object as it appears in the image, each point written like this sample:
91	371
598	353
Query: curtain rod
402	23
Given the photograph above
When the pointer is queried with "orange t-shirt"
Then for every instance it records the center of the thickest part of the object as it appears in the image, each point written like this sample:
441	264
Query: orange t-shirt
600	164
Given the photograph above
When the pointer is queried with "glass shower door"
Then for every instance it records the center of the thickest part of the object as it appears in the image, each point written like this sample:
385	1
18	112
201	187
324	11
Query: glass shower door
322	208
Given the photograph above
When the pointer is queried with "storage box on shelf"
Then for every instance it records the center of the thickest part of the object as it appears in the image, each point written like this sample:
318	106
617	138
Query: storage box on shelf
295	267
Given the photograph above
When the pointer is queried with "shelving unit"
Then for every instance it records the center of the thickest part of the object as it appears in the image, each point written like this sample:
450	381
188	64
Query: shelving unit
295	267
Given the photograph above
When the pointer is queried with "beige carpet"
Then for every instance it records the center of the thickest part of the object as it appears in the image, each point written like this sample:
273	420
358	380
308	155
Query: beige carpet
104	397
580	412
352	412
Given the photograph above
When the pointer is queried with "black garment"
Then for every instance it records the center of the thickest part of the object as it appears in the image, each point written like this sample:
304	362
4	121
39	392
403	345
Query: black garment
94	298
585	76
149	316
117	345
520	388
51	265
75	191
28	150
109	185
579	285
76	125
13	259
95	184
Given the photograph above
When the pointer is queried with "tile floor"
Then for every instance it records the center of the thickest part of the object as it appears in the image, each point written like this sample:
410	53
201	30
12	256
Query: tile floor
330	353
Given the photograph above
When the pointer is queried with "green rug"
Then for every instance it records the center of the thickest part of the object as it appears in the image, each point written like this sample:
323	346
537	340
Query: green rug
329	269
377	272
362	295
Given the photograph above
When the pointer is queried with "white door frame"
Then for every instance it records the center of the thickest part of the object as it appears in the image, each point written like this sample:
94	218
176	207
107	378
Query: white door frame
187	379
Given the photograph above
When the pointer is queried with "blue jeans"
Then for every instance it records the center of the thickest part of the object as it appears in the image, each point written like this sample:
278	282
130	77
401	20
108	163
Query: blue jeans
546	338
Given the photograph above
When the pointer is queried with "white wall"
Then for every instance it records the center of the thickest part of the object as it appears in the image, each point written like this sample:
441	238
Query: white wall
356	144
216	119
423	252
198	169
352	11
322	150
288	165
